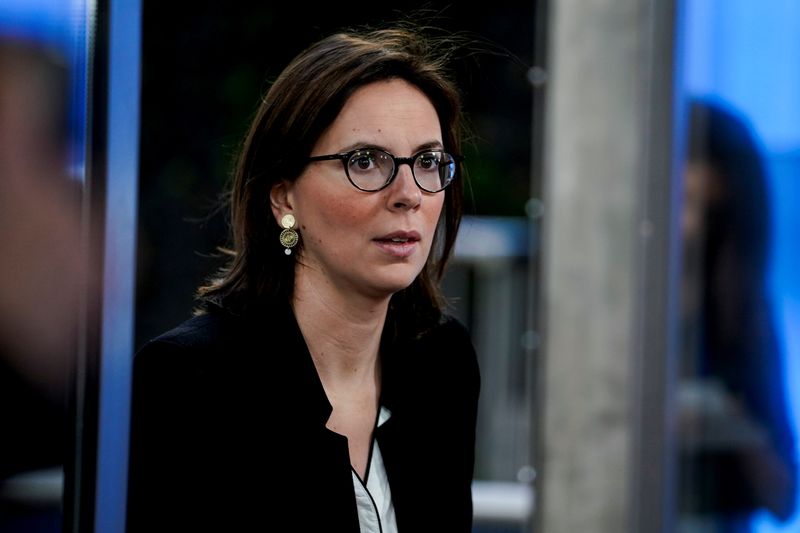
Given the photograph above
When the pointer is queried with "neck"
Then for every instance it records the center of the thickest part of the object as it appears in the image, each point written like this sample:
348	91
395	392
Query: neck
342	331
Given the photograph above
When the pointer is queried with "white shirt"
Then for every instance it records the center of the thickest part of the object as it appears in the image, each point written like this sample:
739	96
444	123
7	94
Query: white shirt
374	499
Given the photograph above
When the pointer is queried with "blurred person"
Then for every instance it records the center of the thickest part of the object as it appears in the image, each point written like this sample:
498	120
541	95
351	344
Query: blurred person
41	272
321	384
738	448
41	279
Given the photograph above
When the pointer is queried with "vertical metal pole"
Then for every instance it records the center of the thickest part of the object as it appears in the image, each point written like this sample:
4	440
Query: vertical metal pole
122	156
655	343
538	77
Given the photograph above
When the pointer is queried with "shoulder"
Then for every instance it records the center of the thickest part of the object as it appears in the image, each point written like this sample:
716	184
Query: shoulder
452	325
438	367
449	347
449	331
195	331
189	342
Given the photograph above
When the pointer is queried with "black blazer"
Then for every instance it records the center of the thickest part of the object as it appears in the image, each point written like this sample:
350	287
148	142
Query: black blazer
228	431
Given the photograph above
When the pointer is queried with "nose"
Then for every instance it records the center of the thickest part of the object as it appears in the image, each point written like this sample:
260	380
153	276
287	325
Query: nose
404	194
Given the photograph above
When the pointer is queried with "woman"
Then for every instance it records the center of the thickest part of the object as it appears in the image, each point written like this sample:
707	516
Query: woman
737	455
321	386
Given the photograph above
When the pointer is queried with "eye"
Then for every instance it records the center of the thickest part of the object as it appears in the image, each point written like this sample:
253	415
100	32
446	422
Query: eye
428	161
363	160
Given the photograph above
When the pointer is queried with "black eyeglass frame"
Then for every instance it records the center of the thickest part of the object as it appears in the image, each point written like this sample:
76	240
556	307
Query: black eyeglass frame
397	161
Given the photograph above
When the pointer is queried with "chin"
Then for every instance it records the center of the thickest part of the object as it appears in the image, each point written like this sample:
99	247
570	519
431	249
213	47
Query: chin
396	282
389	289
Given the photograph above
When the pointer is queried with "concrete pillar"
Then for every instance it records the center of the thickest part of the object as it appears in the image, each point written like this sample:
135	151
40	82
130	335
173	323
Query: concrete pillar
598	152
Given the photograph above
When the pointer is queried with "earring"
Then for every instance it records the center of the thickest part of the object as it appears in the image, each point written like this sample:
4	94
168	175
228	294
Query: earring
289	236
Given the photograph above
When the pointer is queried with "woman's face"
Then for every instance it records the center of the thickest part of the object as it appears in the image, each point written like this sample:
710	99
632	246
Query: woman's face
374	243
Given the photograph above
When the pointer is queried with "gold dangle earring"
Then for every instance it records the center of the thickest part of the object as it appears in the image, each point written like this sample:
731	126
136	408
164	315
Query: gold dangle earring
289	236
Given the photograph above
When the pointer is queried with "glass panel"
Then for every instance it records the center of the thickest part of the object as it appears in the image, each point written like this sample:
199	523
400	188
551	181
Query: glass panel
738	384
42	265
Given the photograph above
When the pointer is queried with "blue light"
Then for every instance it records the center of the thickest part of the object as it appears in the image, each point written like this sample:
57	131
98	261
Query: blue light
44	21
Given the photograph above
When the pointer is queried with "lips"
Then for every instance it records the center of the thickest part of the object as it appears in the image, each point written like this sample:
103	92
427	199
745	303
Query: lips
400	236
398	243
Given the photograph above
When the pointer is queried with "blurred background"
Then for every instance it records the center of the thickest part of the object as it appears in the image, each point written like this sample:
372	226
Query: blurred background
628	264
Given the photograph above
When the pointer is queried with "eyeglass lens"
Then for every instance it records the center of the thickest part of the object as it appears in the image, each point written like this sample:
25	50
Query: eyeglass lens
371	170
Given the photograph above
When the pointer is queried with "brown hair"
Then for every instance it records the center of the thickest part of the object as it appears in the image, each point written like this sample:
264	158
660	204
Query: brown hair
302	102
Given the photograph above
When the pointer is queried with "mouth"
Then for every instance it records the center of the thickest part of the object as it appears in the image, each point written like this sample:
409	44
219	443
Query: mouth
399	237
398	243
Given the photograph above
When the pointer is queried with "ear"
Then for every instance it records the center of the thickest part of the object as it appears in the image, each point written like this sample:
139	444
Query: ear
281	199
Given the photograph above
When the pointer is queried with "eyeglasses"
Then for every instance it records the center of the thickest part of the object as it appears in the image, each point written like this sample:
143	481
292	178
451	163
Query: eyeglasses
372	169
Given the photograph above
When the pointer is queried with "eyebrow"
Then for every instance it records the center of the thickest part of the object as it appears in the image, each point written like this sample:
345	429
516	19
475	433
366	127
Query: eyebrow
429	145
